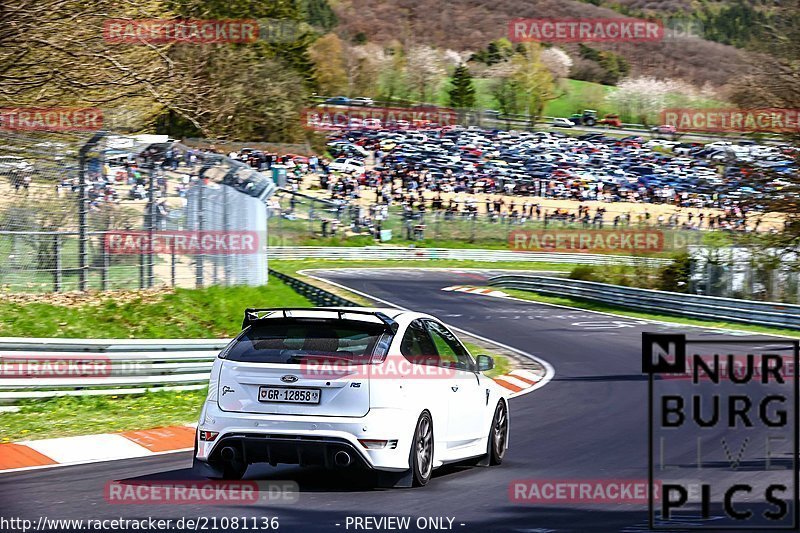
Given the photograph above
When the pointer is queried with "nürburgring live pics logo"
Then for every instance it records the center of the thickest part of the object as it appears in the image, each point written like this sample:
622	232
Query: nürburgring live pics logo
731	423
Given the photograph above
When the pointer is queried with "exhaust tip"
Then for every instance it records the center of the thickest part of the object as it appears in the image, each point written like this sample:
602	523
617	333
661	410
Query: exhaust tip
342	459
229	453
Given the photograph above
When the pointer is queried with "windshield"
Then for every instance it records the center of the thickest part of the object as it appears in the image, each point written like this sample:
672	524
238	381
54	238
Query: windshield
298	341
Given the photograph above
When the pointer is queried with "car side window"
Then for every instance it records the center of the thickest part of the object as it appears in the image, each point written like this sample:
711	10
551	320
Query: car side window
417	346
449	349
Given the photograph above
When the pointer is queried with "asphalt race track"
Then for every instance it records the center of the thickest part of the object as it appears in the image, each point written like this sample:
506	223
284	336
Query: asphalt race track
588	423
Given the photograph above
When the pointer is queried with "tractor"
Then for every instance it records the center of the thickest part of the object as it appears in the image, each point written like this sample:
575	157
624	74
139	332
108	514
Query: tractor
588	118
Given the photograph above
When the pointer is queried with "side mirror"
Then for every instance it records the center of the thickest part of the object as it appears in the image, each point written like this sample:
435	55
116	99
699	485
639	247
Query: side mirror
485	363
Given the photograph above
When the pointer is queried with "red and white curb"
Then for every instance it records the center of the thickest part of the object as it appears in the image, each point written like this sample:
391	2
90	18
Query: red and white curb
476	290
518	381
34	454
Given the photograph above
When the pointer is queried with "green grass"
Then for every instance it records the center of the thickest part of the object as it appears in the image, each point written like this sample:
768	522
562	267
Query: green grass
502	364
578	95
596	306
86	415
186	313
573	96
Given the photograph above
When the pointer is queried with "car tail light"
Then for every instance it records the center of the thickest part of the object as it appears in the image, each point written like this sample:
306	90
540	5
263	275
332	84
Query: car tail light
208	436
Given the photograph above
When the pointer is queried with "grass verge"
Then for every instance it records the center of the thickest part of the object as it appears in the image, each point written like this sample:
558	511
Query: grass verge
87	415
502	364
183	313
596	306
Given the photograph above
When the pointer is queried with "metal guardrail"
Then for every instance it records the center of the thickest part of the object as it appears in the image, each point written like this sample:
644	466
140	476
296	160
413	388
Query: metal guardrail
319	297
368	253
673	303
45	368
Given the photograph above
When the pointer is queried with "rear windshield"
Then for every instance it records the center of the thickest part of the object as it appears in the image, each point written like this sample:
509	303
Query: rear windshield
299	341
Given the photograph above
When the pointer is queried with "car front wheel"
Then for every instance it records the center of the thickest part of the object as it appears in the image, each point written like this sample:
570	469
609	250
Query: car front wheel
498	436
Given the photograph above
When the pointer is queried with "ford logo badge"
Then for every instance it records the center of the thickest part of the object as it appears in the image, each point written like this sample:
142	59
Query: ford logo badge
289	379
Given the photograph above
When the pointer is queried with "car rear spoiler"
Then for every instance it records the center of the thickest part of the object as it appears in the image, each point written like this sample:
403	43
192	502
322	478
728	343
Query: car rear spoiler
254	314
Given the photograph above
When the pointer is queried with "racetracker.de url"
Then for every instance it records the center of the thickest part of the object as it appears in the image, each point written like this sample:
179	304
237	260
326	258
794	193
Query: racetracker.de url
200	523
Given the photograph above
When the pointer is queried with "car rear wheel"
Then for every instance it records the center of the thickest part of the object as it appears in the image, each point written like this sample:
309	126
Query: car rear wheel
498	436
422	450
233	471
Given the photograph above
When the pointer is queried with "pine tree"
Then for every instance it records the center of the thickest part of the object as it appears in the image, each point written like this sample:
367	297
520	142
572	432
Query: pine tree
462	91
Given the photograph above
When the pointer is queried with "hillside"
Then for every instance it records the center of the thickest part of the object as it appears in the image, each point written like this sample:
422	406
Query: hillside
471	24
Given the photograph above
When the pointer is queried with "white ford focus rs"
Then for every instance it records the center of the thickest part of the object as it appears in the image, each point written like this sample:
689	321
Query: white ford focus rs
391	391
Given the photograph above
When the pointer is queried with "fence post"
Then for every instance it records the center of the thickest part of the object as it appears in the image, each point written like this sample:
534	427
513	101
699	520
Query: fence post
142	267
83	211
226	258
151	222
173	266
200	223
106	264
57	280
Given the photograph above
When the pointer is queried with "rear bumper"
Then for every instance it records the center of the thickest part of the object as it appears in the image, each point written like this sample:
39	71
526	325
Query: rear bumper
292	449
309	440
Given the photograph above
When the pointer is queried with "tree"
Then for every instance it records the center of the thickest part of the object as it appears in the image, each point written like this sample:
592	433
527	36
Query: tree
557	62
54	53
462	91
392	78
319	13
643	99
493	54
364	65
533	80
327	55
424	72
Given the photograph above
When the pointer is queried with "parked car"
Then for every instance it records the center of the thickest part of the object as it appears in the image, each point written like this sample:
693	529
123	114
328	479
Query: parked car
395	392
362	101
665	129
338	100
349	166
562	123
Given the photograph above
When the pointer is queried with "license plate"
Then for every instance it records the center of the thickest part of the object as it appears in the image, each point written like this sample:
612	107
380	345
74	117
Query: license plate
287	395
